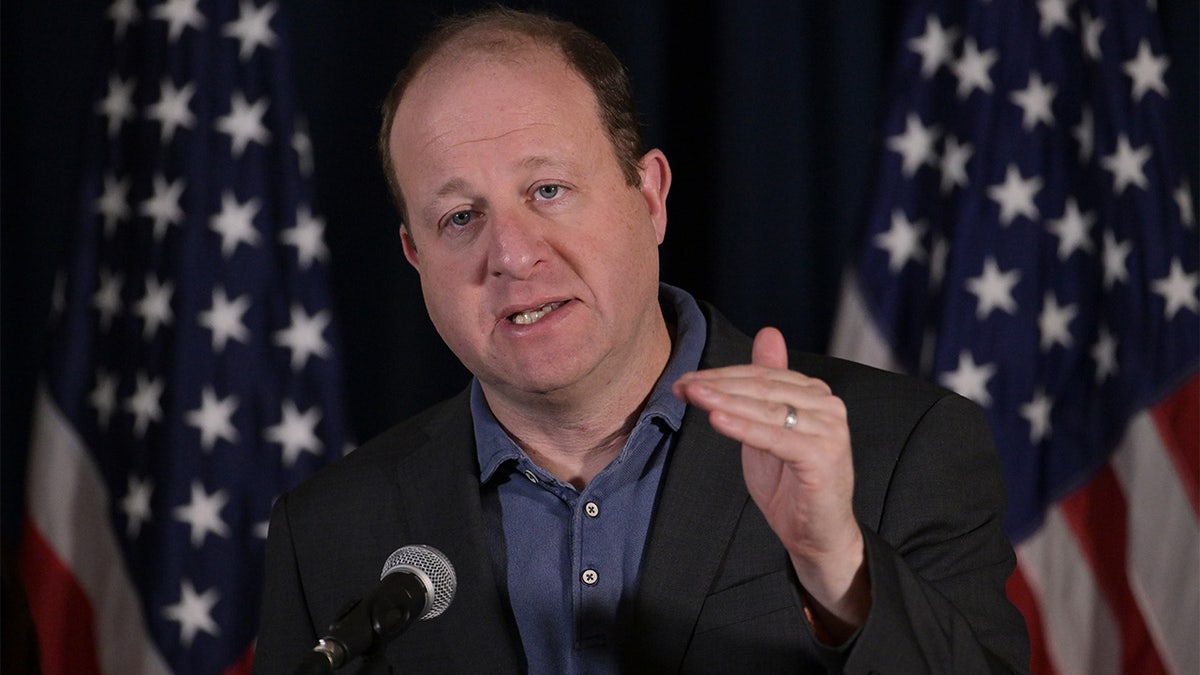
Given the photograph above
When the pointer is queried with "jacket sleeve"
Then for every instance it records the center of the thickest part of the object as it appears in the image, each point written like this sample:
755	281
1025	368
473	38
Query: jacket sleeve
286	633
939	557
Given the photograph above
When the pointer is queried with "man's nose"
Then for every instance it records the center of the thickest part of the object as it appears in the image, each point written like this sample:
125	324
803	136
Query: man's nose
516	245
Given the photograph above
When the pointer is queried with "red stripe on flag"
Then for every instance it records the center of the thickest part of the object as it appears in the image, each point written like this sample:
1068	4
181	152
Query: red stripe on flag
243	665
1178	421
1021	595
1097	514
61	610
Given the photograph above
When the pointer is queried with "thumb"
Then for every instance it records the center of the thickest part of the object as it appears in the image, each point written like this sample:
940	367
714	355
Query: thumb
770	350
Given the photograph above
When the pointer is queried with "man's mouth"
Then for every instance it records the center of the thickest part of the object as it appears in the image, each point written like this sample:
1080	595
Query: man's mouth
531	316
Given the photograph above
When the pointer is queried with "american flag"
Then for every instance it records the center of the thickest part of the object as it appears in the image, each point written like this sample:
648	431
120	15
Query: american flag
1033	246
192	372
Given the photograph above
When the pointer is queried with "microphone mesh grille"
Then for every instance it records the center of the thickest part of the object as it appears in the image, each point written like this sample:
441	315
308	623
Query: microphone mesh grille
434	565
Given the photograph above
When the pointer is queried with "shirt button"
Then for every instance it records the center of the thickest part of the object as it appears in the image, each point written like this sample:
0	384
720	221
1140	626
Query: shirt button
590	577
592	509
531	476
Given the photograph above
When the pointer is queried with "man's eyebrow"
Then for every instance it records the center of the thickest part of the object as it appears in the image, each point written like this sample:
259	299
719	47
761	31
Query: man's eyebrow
450	187
540	161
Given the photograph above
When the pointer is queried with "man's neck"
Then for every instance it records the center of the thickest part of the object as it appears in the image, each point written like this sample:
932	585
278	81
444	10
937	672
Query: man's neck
573	437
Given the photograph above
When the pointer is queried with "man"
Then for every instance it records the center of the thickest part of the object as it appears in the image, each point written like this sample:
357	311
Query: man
629	484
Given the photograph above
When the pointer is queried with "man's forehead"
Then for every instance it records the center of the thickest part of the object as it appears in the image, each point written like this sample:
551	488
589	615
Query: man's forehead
477	48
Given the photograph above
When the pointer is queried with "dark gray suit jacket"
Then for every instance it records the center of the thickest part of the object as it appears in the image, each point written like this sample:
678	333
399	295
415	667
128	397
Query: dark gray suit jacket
717	592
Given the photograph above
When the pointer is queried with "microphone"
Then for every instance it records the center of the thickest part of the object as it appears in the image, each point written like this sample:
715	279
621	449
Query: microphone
417	583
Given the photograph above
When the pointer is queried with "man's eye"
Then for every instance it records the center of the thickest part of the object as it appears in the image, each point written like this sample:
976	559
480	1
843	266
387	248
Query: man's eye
460	219
548	191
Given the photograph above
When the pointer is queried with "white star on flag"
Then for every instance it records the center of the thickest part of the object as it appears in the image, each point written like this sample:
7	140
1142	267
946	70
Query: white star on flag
902	241
1147	72
296	432
304	336
1053	14
224	319
145	404
107	299
163	207
155	305
935	46
1178	290
1015	195
1115	255
203	513
1126	163
1035	101
994	289
117	106
1037	413
955	156
308	238
194	612
244	123
136	505
172	109
972	68
1072	230
1054	323
970	379
915	145
103	397
123	13
179	14
235	223
113	203
1092	29
252	28
214	418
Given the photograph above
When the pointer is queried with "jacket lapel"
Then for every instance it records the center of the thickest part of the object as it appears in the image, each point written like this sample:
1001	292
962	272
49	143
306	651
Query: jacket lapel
441	506
702	498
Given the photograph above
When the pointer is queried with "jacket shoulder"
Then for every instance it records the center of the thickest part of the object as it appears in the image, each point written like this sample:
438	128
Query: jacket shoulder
377	460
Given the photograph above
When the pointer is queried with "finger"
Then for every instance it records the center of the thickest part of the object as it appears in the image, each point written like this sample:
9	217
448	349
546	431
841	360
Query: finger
770	349
810	435
745	371
794	390
759	407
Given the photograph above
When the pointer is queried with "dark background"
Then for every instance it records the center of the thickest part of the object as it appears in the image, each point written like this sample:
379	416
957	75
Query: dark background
767	110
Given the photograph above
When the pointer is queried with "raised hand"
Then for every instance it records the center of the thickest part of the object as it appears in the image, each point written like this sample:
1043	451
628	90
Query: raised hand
797	463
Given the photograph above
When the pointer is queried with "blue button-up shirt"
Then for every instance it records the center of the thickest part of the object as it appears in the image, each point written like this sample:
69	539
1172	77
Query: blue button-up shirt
572	557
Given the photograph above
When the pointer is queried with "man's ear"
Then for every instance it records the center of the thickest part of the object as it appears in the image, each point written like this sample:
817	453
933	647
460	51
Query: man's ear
410	248
656	183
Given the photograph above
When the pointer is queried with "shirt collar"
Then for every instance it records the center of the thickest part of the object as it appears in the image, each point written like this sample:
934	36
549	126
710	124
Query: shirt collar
494	446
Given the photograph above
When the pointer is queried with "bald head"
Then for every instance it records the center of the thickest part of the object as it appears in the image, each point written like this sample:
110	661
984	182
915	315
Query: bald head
504	33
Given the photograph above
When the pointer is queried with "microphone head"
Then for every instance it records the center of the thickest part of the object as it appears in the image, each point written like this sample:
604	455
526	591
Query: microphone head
433	568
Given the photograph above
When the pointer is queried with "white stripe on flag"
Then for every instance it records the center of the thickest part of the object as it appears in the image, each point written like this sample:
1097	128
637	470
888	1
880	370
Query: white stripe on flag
1162	532
69	507
855	335
1080	632
1081	635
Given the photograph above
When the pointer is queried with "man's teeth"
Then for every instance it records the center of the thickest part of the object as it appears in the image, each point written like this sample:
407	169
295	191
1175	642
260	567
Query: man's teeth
534	315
